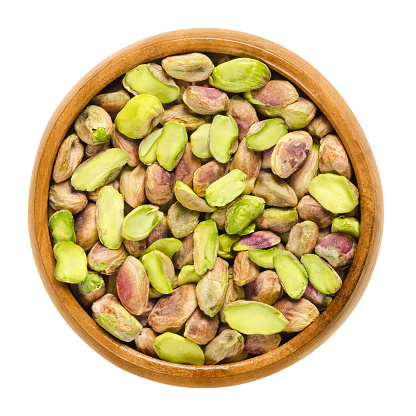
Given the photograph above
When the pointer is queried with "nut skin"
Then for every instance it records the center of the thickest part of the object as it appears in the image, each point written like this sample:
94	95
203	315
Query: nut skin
69	157
260	344
323	232
333	158
206	101
243	113
159	184
191	67
310	209
172	311
181	113
245	270
184	255
229	343
301	178
93	119
233	293
319	127
208	174
302	238
133	286
266	288
189	199
314	295
93	195
63	196
279	220
298	114
249	162
337	249
182	221
132	185
274	190
201	328
122	324
104	260
290	152
300	313
212	288
113	101
135	248
276	94
144	316
205	246
93	149
130	146
85	226
266	158
160	231
144	342
187	166
257	240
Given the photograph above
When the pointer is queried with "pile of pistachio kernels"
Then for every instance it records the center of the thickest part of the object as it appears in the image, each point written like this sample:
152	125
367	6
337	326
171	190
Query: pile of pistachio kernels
202	209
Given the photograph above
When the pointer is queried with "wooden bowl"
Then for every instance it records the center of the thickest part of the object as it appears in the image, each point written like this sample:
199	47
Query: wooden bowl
311	82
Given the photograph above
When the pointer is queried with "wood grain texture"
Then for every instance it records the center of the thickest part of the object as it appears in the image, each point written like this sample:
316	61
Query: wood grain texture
312	83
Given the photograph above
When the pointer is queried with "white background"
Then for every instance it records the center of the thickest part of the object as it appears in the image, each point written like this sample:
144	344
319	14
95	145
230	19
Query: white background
366	49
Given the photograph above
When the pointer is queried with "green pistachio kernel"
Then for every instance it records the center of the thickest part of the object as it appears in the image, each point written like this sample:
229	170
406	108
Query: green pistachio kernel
171	145
321	275
71	262
334	192
226	189
98	170
205	246
177	349
263	258
250	317
346	225
139	116
160	271
139	223
168	246
110	217
241	213
188	275
226	242
148	147
151	79
223	132
291	272
93	281
199	140
240	75
189	199
265	134
61	226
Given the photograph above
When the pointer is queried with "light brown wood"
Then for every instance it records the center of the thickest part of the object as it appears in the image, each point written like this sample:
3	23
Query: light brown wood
334	108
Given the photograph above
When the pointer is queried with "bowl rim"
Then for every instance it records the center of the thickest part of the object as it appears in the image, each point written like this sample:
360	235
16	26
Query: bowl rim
332	105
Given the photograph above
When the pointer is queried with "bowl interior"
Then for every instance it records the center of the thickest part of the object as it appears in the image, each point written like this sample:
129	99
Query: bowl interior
321	92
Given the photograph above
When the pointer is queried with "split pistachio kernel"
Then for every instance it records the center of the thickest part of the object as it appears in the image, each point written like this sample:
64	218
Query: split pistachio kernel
177	349
199	140
226	189
160	270
148	147
171	145
168	246
346	225
291	272
189	199
223	132
250	317
334	192
99	170
265	134
151	79
61	227
138	224
71	262
110	217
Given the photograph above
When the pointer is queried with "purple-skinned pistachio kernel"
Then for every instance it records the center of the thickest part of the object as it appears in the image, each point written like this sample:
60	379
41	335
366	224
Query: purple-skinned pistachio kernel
257	240
337	249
